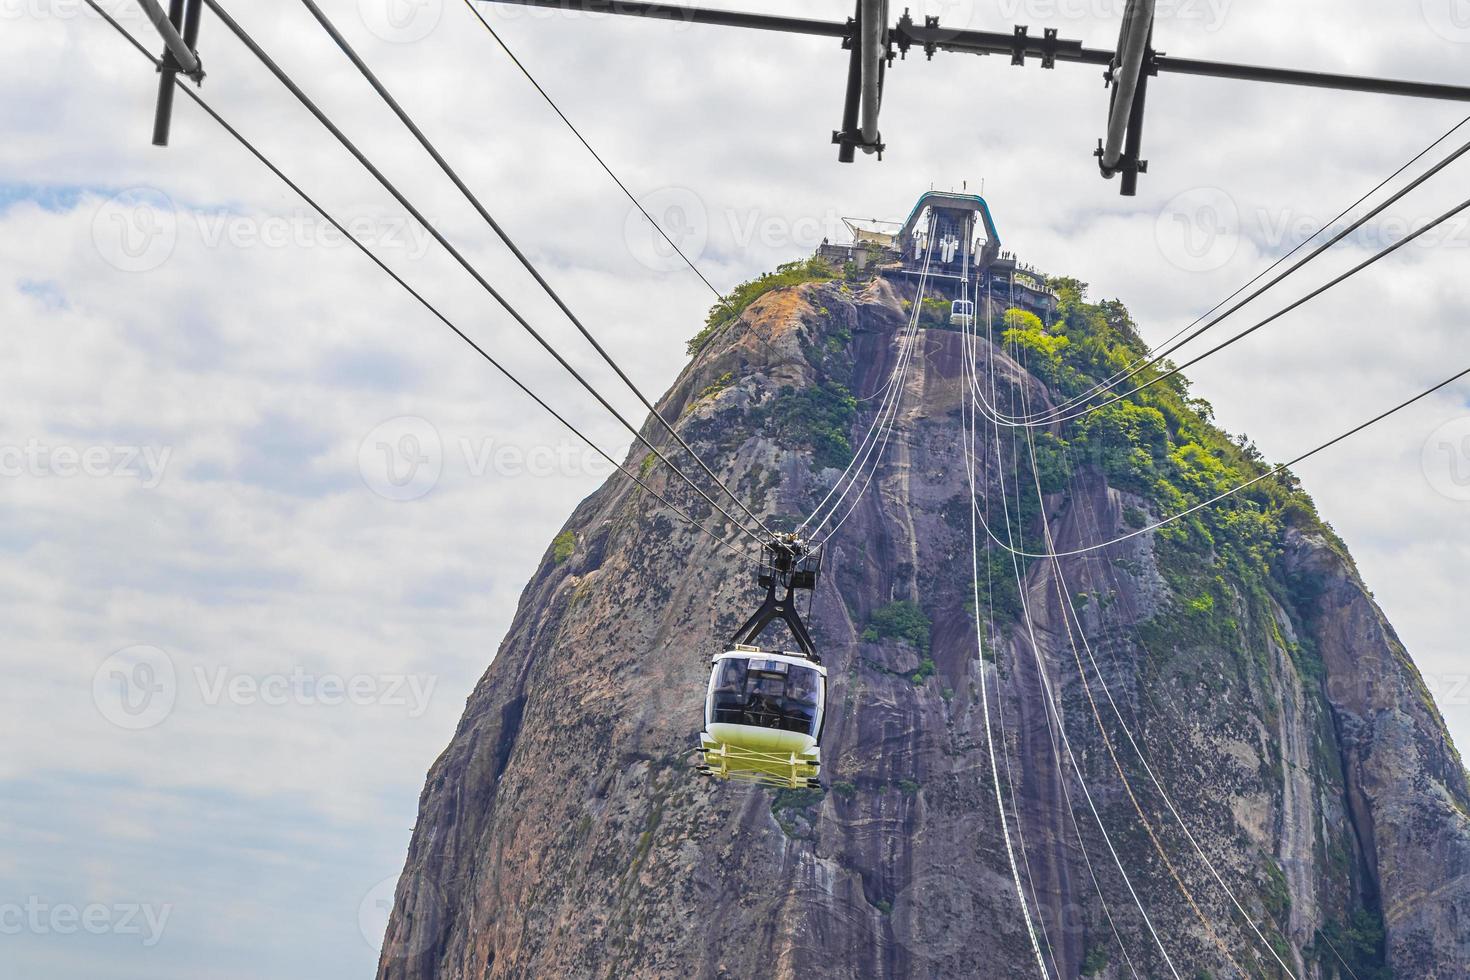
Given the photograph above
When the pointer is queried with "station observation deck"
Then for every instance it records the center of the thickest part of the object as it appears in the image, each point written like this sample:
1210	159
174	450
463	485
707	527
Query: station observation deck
958	234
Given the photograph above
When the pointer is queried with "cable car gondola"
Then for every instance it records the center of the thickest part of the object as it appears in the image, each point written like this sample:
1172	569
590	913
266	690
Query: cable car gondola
764	709
962	313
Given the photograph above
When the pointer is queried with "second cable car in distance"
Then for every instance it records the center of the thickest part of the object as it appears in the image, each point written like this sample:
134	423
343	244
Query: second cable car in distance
764	710
962	313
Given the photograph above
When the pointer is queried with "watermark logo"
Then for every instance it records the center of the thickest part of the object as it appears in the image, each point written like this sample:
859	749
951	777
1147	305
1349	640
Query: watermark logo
931	914
41	918
136	230
748	229
1450	690
1450	19
1446	459
544	461
303	228
120	10
136	687
678	18
38	460
302	688
1199	230
401	21
424	908
958	15
682	215
1208	15
402	459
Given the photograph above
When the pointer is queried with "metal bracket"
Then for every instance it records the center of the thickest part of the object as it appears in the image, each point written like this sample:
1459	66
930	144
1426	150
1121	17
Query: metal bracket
1018	44
788	566
1049	44
855	141
901	32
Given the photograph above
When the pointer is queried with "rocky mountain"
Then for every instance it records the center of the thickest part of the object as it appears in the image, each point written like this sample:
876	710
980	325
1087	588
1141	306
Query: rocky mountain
1301	810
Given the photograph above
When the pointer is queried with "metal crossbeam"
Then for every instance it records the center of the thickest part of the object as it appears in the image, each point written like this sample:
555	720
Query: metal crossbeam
1047	48
1128	68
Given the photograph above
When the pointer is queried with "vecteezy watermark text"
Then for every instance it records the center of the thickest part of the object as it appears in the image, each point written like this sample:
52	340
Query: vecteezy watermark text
403	459
301	687
1201	230
138	228
38	460
1209	15
138	687
41	918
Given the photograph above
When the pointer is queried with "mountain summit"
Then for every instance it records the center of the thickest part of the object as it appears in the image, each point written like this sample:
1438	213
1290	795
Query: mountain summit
1215	757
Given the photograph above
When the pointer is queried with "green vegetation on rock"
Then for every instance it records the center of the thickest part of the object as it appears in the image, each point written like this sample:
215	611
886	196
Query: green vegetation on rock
563	546
735	302
1358	942
903	621
1094	961
819	416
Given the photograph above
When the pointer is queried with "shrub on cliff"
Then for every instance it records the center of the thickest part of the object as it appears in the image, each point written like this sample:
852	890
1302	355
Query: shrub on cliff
903	621
735	302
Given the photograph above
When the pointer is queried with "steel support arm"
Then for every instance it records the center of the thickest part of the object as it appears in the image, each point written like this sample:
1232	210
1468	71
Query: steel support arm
1128	67
1019	45
693	15
872	37
188	61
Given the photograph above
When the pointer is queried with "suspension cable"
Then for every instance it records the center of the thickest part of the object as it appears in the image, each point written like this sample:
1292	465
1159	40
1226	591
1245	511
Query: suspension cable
1089	514
1274	471
1070	616
883	421
1059	415
970	425
1121	375
970	471
996	647
970	467
1063	603
526	263
1237	489
357	242
969	415
438	236
1296	304
1049	697
595	155
894	378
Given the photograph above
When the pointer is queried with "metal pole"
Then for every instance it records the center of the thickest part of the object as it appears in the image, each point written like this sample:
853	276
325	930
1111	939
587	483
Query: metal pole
168	26
192	14
1313	79
1127	67
168	67
1133	146
871	30
846	152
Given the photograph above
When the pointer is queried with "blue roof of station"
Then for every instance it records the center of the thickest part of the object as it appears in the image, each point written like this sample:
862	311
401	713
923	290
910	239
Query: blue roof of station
949	199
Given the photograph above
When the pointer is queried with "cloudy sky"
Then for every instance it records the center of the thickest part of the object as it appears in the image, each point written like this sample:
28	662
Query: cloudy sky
263	521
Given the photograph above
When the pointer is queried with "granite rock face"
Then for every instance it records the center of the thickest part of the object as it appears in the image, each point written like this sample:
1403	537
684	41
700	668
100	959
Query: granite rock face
563	833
